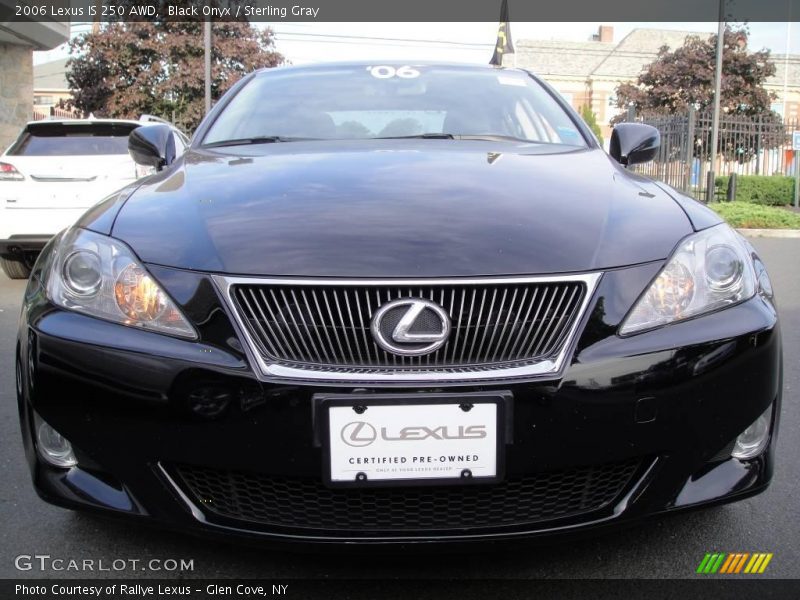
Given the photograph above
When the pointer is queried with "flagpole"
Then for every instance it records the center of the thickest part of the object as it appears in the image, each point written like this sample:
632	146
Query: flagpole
504	45
786	62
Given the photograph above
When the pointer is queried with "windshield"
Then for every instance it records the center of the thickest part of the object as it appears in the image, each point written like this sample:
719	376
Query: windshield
72	139
362	102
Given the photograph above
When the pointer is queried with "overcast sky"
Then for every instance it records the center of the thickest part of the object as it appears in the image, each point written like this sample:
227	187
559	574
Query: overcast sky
462	42
470	42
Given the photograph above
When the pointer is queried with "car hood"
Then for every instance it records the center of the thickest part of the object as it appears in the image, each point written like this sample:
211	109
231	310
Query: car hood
428	208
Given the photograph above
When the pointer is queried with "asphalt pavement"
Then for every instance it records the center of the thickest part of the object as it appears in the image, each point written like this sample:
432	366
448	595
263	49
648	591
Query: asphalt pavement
669	547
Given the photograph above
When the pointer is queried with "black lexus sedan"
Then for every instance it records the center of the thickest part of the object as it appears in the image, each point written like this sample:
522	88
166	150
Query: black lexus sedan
391	303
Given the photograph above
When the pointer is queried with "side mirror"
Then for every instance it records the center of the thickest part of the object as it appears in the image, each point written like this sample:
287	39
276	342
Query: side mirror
152	146
634	143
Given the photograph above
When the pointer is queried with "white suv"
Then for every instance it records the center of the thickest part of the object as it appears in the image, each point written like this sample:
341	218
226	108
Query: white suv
53	172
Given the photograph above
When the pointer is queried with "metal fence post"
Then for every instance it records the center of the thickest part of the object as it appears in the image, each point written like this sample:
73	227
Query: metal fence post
731	194
710	186
796	177
690	118
759	128
631	115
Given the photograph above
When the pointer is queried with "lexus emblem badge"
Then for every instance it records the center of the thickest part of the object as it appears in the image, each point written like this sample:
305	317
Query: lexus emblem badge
410	326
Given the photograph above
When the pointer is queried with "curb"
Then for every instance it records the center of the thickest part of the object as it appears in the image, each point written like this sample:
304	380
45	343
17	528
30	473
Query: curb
771	233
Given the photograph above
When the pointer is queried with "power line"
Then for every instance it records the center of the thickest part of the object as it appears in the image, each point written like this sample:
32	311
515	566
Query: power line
346	39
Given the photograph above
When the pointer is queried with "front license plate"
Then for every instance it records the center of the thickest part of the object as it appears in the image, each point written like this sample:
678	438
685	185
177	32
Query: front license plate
454	442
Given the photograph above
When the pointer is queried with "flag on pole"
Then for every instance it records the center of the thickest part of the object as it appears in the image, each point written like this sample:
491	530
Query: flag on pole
504	44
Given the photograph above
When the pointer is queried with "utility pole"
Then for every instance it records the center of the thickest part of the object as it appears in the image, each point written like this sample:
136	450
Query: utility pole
717	94
786	60
207	49
98	10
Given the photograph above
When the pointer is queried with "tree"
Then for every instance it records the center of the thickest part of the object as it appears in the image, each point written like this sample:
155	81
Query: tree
591	120
353	129
686	76
130	68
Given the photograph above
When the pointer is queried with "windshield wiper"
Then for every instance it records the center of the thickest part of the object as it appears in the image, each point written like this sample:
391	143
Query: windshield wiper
271	139
491	137
262	139
488	137
421	136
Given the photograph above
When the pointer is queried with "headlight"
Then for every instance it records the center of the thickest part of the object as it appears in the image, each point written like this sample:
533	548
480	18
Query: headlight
709	270
100	276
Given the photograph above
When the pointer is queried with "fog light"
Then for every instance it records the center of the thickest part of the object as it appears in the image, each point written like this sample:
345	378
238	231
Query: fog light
209	401
752	441
54	447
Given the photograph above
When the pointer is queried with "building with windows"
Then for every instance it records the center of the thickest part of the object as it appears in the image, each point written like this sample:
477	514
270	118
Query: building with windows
49	85
587	73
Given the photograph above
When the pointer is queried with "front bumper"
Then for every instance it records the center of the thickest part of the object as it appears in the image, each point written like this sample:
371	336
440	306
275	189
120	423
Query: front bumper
23	247
27	229
166	429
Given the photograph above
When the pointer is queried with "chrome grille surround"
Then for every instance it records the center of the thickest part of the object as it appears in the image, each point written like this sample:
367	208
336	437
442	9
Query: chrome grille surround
312	347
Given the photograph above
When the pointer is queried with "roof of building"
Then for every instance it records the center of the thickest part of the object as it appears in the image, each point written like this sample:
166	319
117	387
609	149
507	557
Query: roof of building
599	59
638	49
51	75
623	60
572	59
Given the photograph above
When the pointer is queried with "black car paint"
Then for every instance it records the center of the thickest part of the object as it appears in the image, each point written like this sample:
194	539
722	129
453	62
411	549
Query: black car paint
122	396
399	208
675	397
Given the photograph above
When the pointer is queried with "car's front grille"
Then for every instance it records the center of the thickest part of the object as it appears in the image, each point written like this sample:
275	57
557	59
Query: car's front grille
308	504
329	325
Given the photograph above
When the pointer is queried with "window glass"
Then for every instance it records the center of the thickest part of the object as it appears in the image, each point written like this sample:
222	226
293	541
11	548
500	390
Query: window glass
394	101
72	140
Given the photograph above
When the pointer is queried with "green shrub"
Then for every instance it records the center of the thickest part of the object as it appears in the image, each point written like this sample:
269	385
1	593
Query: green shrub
591	121
749	215
772	190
